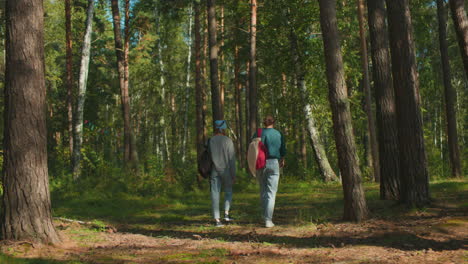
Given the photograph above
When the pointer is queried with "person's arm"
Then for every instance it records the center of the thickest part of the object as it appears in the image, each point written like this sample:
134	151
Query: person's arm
232	160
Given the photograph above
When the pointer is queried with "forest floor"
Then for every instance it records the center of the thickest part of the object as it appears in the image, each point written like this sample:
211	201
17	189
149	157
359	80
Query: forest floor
308	229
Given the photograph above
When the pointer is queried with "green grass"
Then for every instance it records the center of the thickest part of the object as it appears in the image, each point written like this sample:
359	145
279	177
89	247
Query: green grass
297	204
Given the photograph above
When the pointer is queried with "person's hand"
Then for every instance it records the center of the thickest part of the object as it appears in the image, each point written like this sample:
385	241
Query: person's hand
281	163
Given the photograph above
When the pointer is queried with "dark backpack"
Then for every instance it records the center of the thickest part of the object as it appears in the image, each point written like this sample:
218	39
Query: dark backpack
205	163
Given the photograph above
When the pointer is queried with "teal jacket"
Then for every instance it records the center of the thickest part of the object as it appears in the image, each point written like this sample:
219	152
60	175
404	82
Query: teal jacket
274	142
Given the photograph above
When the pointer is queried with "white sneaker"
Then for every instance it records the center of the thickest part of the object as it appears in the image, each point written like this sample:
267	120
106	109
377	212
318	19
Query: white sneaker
269	224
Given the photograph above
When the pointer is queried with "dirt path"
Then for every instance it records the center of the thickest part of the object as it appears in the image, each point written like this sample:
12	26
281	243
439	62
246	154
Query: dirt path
420	239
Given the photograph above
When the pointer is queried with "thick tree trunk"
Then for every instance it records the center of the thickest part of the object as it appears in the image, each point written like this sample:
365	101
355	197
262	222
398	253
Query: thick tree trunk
253	110
385	102
413	164
374	148
83	79
121	51
69	83
355	208
449	91
26	209
461	27
215	94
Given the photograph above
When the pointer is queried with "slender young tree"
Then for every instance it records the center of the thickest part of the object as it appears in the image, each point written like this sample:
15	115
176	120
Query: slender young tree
187	83
413	164
26	209
162	81
199	98
215	93
461	27
374	147
83	79
385	101
222	65
69	83
449	91
121	50
238	106
355	208
238	88
314	136
253	110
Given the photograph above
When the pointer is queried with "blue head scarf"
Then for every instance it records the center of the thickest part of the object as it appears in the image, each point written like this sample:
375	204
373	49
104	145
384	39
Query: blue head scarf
220	124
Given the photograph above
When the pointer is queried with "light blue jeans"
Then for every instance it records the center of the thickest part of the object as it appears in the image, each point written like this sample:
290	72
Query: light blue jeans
217	178
268	178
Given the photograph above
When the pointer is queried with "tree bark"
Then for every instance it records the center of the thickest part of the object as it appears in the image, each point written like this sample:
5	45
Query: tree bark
121	50
83	79
253	110
413	164
355	208
449	91
26	210
374	147
69	83
461	27
215	93
385	102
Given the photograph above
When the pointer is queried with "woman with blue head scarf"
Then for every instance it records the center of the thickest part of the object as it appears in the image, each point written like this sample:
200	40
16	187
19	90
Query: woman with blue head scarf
223	173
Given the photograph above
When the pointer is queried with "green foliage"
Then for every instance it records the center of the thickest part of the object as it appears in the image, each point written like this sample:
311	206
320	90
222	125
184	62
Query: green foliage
159	32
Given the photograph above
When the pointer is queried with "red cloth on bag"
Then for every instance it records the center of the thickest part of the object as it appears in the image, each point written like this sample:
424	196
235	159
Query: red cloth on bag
262	152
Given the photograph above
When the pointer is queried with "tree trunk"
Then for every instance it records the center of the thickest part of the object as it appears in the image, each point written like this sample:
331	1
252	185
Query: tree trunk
238	90
314	136
162	81
26	210
385	102
319	150
222	85
133	159
199	98
374	148
450	95
187	85
253	110
215	94
238	107
461	27
413	164
69	83
121	51
83	79
355	208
